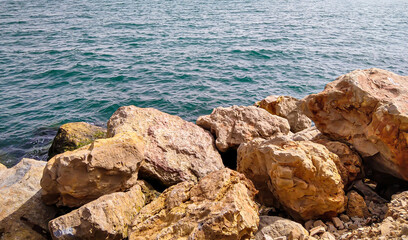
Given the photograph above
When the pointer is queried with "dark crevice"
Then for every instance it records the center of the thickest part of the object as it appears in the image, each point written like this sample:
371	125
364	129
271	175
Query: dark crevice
154	182
229	158
43	232
386	184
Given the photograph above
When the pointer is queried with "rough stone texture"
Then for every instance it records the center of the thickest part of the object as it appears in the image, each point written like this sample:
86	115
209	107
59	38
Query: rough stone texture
22	213
307	134
302	176
289	108
394	226
350	163
220	206
107	217
273	227
176	150
2	167
356	206
107	165
235	125
71	136
368	109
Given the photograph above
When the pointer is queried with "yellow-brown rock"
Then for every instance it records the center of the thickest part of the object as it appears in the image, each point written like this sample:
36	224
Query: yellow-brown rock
71	136
107	217
107	165
356	206
368	109
307	134
220	206
302	176
2	167
350	163
176	150
289	108
235	125
22	213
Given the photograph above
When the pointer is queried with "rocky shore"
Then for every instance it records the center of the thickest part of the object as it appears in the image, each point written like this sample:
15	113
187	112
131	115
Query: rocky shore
333	165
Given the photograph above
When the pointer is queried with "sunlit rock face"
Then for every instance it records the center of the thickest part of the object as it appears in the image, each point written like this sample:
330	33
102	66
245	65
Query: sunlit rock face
287	107
237	124
369	110
300	175
220	206
175	150
109	165
23	215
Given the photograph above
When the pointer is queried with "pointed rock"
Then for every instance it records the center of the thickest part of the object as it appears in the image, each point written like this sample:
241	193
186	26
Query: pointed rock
289	108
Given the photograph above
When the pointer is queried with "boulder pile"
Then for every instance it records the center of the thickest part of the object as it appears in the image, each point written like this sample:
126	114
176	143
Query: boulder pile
152	175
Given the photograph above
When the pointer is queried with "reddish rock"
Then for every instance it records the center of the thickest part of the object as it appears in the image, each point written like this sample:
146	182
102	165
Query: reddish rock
235	125
175	150
369	110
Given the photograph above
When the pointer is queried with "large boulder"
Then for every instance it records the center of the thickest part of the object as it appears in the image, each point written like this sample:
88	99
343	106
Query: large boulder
22	213
235	125
220	206
368	109
289	108
2	167
271	227
107	217
107	165
176	150
71	136
301	176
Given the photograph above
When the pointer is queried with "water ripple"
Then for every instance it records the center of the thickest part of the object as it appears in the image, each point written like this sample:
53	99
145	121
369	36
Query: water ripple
63	61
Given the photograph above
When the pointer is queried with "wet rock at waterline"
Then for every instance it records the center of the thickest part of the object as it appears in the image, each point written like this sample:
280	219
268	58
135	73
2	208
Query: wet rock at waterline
71	136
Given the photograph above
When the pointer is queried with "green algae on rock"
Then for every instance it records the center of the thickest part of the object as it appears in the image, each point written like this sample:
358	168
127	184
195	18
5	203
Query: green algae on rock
74	135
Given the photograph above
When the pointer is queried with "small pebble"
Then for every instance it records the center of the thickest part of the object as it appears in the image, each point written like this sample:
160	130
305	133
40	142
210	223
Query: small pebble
319	223
309	224
338	223
344	218
353	226
404	230
317	230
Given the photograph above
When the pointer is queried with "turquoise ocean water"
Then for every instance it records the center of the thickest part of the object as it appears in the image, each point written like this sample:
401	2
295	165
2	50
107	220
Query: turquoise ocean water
71	60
